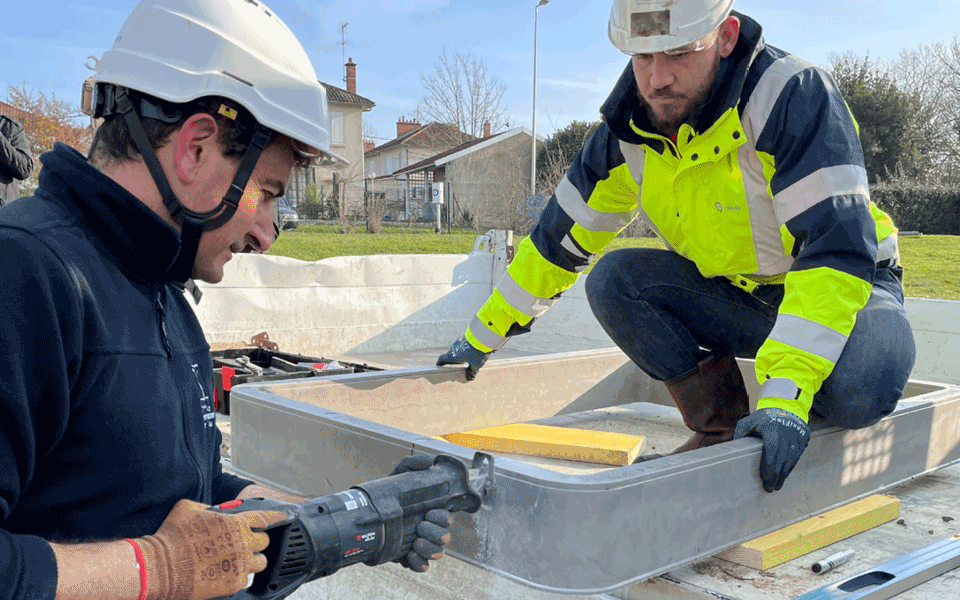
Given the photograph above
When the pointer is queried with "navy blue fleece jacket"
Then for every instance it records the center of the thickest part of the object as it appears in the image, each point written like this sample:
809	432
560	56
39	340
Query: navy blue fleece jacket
106	407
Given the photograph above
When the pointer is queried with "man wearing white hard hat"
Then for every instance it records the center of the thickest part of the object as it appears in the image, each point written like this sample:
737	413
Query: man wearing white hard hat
746	162
106	395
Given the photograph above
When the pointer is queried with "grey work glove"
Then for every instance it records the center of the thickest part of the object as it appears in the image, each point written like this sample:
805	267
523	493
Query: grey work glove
785	436
432	531
463	352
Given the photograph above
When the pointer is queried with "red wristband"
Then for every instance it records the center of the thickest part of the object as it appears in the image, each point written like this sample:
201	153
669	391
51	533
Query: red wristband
143	569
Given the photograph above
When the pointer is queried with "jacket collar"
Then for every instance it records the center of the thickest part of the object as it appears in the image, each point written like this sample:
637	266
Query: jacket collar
139	242
623	104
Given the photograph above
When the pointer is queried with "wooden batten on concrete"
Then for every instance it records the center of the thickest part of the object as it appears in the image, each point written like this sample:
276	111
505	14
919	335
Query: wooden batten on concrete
814	533
582	445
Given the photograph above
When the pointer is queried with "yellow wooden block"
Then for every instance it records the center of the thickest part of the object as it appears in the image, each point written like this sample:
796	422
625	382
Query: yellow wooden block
581	445
814	533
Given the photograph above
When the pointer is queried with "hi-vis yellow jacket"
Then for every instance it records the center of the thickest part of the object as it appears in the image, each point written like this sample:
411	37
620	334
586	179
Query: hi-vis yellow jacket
766	184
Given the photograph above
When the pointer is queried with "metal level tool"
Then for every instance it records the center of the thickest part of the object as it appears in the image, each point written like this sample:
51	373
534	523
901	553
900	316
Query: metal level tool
894	576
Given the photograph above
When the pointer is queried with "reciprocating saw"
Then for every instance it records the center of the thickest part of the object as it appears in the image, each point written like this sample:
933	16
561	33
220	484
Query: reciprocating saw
374	522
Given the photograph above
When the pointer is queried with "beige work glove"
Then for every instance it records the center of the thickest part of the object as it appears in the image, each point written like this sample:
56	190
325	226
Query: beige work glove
199	554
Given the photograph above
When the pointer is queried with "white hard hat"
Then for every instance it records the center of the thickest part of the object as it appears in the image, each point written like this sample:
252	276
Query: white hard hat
181	50
648	26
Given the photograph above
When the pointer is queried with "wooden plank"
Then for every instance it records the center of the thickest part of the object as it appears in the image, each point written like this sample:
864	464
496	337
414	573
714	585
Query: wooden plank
814	533
582	445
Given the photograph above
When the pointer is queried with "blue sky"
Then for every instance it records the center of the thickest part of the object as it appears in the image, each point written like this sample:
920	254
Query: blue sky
44	46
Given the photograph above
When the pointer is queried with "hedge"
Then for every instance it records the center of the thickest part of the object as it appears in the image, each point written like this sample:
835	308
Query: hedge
930	209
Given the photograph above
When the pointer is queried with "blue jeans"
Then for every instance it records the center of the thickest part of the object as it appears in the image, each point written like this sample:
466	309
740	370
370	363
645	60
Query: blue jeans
667	317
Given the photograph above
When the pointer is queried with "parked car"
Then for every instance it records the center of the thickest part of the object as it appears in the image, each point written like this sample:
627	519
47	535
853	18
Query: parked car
289	219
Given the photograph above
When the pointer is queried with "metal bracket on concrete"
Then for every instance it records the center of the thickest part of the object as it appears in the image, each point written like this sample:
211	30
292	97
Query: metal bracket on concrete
894	576
576	533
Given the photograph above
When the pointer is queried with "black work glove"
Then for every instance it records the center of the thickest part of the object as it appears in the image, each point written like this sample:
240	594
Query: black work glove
418	462
463	352
785	436
432	531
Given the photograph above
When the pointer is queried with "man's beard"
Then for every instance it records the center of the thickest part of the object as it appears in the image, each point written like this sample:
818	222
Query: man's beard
670	124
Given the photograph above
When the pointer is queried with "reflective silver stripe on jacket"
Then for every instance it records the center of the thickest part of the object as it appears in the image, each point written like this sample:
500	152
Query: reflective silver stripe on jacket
817	186
768	90
568	244
824	183
808	336
767	244
521	299
485	336
569	199
635	157
779	388
768	215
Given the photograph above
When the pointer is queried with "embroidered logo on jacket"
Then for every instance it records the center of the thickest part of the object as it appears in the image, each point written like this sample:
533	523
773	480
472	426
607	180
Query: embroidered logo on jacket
206	405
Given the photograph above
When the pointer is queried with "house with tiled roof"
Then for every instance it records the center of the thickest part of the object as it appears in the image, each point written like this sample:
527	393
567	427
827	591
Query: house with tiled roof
343	182
485	180
11	111
414	143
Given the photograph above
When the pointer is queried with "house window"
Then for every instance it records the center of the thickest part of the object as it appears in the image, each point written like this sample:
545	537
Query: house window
336	128
417	185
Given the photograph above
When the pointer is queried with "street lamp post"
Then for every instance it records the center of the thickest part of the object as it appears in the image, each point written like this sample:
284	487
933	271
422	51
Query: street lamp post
533	149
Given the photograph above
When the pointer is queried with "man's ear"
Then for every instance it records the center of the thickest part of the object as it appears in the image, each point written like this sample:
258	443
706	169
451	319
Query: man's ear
193	143
729	34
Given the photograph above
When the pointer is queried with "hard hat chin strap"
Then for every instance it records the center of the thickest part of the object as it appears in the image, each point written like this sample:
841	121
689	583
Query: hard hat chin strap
193	223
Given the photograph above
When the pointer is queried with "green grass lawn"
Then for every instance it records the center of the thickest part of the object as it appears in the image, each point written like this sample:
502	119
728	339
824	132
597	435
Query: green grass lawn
314	242
931	262
931	266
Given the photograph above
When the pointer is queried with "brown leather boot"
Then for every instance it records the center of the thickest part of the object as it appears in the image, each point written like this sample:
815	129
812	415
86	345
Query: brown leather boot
711	400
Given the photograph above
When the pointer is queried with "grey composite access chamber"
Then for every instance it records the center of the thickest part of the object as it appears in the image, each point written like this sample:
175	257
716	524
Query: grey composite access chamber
567	527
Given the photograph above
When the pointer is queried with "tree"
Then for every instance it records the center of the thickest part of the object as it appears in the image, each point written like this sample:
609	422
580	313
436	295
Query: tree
47	120
311	206
888	117
462	92
933	74
557	152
